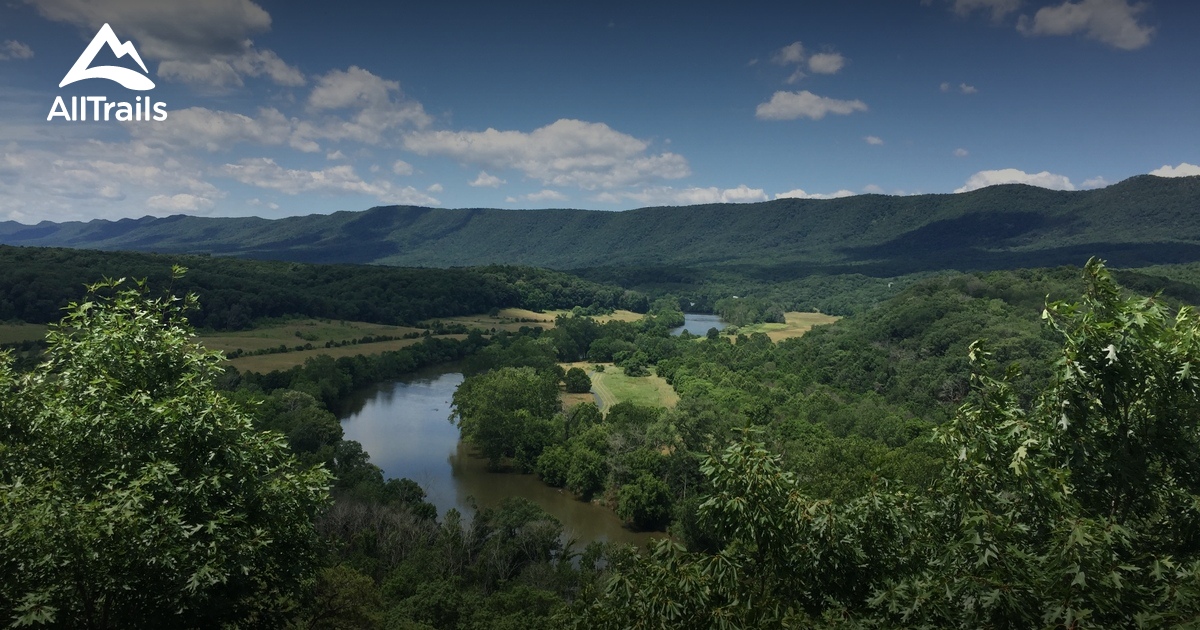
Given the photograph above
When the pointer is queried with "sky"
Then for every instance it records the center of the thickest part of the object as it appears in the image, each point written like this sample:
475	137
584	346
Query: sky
289	107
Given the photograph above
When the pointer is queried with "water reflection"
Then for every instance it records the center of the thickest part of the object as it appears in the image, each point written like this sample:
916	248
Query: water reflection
698	324
404	426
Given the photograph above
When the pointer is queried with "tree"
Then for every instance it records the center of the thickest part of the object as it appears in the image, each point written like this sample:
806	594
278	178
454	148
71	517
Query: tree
1078	509
578	382
505	411
132	493
646	503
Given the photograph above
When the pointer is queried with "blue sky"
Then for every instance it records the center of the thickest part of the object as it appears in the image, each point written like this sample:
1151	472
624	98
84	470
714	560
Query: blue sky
279	108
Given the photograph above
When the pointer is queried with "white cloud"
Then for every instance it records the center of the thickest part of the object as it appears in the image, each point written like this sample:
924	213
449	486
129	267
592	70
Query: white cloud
1183	170
93	179
801	194
962	87
377	104
872	189
351	106
795	77
826	63
793	105
875	140
335	155
203	43
484	180
564	153
961	153
544	195
12	49
341	179
181	202
1044	179
1113	22
400	167
999	8
198	127
791	54
1095	182
435	188
669	196
227	71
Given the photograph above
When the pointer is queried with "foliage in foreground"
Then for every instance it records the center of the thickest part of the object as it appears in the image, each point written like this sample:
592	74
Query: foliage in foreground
1080	509
134	495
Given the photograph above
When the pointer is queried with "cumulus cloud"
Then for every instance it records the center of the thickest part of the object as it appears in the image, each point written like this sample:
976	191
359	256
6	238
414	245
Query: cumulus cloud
1183	170
791	54
961	153
799	193
341	179
12	49
1113	22
540	196
435	188
484	180
826	63
204	43
875	140
998	8
400	167
199	127
564	153
88	181
820	63
352	105
1044	179
227	71
1095	182
805	104
670	196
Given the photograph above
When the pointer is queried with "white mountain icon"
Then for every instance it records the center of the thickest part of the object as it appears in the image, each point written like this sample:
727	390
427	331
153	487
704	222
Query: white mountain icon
126	77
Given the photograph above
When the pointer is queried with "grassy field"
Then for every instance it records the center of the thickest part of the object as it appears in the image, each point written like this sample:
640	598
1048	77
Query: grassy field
796	325
510	319
612	387
12	333
281	361
313	331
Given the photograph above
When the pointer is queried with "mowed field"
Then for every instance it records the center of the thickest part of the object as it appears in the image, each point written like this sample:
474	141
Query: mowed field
512	319
612	386
297	333
14	333
304	331
796	324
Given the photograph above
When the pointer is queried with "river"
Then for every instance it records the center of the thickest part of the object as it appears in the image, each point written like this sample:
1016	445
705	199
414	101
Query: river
403	426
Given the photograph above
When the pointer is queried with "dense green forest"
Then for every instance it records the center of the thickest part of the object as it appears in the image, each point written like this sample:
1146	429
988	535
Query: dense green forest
36	283
883	471
1140	221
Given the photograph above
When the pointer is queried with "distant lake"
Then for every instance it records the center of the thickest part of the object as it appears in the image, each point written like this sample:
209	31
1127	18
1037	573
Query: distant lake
698	324
404	426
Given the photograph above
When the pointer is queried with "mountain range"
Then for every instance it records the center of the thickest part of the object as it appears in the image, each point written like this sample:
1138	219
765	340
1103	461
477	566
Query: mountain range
1140	221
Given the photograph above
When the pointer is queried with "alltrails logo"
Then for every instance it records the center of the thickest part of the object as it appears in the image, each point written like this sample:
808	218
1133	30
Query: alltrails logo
101	108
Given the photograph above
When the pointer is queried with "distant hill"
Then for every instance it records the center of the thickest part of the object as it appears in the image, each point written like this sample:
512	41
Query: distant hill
1141	221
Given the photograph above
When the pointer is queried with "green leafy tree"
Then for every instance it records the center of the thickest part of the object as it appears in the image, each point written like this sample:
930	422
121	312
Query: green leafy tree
132	493
577	381
646	503
506	412
1079	509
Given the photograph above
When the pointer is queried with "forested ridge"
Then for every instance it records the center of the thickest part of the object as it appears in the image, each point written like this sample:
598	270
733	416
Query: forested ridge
1140	221
883	471
36	283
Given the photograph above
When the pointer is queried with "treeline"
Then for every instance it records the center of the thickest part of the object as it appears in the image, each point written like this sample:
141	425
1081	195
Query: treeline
36	283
